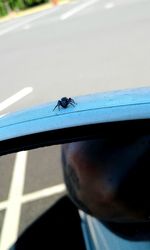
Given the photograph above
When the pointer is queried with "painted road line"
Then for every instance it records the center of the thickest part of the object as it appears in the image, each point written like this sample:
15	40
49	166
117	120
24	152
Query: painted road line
60	188
12	216
3	115
28	20
78	9
43	193
15	98
3	205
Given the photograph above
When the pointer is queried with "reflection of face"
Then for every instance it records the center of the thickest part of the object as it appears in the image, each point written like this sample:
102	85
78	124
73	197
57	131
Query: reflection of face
109	179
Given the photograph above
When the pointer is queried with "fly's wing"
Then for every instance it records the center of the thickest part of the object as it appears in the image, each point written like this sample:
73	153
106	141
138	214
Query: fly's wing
96	115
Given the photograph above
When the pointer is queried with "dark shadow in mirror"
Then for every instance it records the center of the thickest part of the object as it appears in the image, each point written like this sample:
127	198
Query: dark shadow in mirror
58	228
108	179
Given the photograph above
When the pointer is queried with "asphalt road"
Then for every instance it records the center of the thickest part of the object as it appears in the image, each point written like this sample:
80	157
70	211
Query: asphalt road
78	48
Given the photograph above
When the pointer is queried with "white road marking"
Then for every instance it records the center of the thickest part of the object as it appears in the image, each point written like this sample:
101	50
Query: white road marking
109	5
37	195
77	9
16	97
12	216
29	20
3	115
3	205
43	193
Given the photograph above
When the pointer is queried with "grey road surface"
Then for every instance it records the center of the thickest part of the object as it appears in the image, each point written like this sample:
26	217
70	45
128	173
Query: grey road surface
78	48
98	48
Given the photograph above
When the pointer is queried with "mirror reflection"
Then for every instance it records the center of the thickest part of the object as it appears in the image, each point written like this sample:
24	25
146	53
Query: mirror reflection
100	183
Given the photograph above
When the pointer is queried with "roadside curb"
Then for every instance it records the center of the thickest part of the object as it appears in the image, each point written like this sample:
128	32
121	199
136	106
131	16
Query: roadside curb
37	9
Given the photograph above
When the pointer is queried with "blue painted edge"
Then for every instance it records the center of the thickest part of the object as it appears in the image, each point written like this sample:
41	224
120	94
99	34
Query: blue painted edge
122	105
